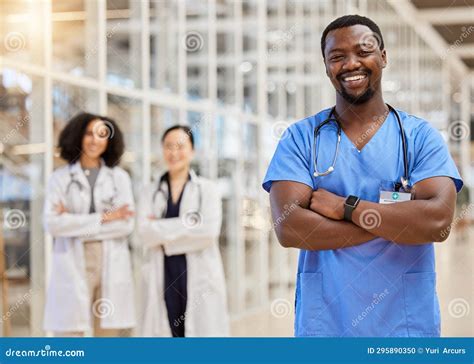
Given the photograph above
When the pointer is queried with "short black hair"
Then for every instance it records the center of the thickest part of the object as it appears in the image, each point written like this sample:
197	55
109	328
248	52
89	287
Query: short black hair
70	139
348	21
184	128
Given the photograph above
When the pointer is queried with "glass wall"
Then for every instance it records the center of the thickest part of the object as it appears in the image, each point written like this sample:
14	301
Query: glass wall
22	174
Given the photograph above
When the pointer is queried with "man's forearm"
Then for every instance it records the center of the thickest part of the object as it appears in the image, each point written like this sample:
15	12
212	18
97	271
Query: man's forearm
306	229
410	222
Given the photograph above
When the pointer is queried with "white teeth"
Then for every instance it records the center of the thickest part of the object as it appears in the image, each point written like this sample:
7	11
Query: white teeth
354	78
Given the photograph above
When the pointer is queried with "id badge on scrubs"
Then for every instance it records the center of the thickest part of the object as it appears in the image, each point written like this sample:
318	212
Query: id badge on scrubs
389	193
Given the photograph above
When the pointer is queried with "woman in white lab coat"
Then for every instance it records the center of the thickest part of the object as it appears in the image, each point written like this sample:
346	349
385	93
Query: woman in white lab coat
89	212
179	220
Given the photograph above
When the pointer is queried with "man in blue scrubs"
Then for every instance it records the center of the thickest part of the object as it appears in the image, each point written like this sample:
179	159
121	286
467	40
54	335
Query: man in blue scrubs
366	264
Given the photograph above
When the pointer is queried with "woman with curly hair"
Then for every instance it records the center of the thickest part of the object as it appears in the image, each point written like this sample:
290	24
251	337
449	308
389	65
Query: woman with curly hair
89	212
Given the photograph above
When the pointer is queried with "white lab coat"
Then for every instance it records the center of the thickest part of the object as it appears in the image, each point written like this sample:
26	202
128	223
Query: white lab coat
68	302
206	311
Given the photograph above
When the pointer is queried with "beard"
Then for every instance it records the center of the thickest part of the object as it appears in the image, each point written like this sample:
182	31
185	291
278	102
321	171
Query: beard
357	100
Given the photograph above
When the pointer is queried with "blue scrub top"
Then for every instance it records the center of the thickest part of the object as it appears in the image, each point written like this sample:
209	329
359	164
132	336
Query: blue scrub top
379	288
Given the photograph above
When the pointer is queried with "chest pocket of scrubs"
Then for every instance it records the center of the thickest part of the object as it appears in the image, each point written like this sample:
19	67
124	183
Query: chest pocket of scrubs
421	304
309	304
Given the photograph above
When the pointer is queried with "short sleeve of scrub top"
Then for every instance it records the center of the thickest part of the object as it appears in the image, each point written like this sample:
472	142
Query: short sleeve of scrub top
432	158
291	161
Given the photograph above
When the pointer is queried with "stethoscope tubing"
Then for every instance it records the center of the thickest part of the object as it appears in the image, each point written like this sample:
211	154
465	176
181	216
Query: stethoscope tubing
331	118
159	189
74	181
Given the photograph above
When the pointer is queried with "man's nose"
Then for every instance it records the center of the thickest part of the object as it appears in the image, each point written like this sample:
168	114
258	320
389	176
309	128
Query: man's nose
352	63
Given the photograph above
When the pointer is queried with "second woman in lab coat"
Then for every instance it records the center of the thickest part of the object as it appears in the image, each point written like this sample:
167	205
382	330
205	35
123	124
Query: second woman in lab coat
179	220
89	212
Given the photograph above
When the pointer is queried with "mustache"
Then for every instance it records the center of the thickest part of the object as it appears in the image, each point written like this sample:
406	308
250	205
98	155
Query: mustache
341	75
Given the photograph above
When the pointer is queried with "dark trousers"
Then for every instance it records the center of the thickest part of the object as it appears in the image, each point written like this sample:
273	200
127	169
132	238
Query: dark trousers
176	293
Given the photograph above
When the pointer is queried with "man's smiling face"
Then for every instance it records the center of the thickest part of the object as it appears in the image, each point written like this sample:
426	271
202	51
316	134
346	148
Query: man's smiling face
354	62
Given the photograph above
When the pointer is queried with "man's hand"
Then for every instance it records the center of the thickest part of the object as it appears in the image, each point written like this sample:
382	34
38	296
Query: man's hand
327	204
300	227
435	202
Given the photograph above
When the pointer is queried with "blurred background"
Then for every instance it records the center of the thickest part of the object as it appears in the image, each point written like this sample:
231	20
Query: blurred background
238	72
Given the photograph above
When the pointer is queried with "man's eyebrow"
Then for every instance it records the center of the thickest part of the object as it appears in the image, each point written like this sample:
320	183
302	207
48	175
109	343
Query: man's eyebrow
357	46
335	50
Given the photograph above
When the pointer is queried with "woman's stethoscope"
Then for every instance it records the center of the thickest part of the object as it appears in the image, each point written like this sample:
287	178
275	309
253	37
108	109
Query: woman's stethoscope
190	214
404	179
74	181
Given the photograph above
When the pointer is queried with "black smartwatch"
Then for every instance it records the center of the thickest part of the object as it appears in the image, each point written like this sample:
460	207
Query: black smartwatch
349	206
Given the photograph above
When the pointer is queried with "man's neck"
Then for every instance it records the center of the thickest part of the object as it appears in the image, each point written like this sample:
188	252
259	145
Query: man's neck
352	116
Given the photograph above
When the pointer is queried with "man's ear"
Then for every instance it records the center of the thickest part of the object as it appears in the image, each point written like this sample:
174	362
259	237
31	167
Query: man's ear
384	58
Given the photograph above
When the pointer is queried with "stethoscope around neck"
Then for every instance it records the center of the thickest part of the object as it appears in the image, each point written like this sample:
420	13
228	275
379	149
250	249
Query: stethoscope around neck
192	214
74	181
404	180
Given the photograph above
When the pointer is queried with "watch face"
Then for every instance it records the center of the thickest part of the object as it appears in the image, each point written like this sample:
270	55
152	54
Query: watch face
351	200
